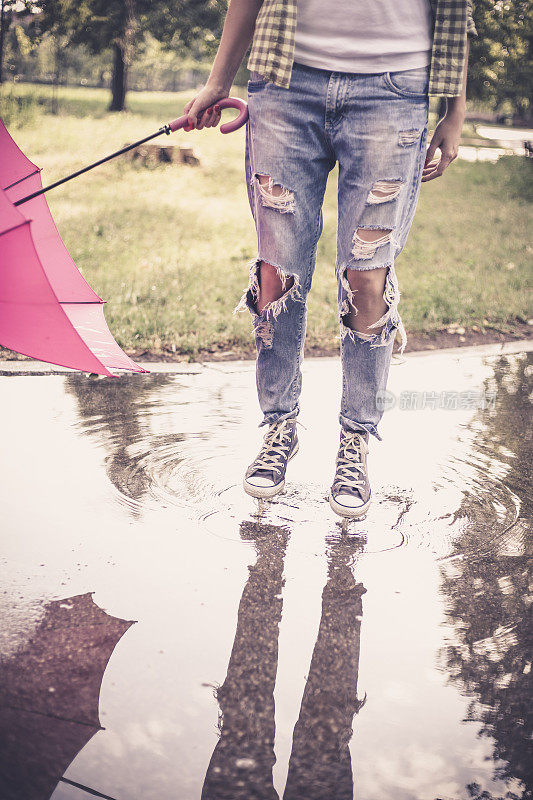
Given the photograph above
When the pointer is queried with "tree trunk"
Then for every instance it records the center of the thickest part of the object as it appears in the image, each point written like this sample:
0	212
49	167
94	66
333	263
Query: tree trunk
2	31
58	51
119	79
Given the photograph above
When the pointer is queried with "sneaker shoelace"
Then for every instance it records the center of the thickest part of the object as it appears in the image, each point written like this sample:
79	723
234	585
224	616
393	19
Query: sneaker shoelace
276	446
350	472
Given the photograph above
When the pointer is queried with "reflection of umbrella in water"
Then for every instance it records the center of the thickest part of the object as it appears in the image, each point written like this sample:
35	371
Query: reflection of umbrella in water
47	309
49	695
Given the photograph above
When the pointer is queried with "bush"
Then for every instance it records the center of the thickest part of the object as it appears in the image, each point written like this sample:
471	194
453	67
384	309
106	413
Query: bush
17	109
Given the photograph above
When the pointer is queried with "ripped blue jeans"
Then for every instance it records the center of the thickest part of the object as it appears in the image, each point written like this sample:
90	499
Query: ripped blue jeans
375	127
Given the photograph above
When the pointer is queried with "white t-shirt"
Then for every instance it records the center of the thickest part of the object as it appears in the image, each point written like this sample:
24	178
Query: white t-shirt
363	35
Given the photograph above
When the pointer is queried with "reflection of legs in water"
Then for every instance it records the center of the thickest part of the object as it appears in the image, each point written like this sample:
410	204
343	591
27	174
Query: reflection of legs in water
320	766
242	762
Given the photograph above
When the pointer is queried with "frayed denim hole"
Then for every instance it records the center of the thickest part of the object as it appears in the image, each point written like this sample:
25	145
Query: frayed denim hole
389	323
274	195
408	138
384	191
250	295
273	309
364	247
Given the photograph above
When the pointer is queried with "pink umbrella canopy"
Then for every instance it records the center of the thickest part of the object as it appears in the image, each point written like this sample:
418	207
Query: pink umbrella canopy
47	309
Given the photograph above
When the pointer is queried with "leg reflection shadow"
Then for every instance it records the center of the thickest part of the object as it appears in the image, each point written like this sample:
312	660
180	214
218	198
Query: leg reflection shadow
320	764
242	762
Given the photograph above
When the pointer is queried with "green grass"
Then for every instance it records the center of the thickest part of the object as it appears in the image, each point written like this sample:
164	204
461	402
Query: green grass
167	247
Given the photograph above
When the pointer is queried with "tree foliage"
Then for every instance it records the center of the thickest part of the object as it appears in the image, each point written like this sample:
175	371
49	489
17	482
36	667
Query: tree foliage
501	60
121	25
6	15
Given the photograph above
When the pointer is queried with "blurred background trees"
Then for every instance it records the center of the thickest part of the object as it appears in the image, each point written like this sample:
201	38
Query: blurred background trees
501	57
101	42
118	27
168	44
6	15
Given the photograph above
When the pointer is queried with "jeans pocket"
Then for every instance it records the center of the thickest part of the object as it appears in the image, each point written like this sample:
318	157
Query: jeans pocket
408	82
256	82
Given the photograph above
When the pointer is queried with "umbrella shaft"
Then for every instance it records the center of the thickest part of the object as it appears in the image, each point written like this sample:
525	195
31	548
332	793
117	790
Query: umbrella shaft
164	129
87	789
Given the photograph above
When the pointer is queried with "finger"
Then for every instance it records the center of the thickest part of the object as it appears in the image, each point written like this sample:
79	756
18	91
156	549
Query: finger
200	121
204	119
187	106
430	153
208	115
432	167
431	163
194	114
191	120
430	176
215	117
218	113
446	160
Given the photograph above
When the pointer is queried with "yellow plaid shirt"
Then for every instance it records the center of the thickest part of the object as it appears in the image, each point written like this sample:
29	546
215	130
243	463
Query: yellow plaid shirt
272	53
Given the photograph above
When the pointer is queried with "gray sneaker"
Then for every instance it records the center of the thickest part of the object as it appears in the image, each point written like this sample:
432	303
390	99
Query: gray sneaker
350	492
265	477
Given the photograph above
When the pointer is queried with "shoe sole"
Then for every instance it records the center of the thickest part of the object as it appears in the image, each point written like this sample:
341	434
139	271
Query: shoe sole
265	492
348	513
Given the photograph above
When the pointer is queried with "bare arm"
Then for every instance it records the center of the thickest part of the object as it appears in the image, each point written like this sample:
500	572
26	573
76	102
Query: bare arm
448	131
236	36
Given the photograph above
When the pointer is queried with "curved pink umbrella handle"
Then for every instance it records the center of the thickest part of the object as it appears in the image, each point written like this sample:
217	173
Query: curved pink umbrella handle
227	127
238	122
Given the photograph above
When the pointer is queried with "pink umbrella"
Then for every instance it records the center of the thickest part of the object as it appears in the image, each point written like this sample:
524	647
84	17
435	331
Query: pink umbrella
47	309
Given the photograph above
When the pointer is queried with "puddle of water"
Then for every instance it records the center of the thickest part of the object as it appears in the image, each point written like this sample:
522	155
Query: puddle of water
273	654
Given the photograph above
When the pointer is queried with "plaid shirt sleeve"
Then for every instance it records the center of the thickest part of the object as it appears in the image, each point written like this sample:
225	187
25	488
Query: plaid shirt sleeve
470	25
272	52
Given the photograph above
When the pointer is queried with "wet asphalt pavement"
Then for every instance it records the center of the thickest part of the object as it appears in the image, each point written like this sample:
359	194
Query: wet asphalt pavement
163	640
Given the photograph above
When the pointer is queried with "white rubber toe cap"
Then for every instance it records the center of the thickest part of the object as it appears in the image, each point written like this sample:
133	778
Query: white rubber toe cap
267	489
347	505
349	501
260	481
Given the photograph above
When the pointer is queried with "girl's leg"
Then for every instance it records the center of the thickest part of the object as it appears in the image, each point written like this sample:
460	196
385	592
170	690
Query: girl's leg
380	143
381	147
288	158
